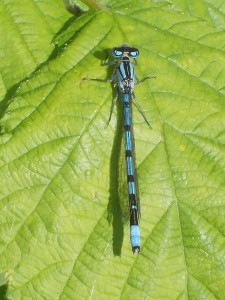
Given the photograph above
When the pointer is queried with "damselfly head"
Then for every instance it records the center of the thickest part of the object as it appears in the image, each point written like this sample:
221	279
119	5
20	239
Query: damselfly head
125	50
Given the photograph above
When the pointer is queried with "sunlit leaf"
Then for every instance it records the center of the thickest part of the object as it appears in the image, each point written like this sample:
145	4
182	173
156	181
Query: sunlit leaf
63	234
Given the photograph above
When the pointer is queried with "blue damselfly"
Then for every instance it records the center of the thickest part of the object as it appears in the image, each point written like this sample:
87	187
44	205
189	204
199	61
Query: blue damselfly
124	76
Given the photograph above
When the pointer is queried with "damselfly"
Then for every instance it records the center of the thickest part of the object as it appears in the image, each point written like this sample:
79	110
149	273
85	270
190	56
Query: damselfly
124	76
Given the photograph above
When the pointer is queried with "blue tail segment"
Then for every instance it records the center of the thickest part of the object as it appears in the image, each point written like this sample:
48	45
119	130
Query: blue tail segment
135	238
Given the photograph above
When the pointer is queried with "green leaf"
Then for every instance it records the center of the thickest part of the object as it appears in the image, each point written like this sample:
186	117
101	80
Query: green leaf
63	234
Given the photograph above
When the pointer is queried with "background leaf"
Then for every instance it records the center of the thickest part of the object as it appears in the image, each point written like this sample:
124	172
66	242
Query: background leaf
62	229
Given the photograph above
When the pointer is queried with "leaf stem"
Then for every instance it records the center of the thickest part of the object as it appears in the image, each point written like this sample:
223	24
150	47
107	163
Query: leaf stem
93	4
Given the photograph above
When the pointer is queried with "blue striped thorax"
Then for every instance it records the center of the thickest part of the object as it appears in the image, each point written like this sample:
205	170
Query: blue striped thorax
125	71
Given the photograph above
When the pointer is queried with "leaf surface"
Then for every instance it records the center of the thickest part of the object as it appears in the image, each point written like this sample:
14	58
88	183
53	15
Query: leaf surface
63	234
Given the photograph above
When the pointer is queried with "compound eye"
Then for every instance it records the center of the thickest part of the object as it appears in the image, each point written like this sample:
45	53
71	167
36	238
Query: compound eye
134	52
116	52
